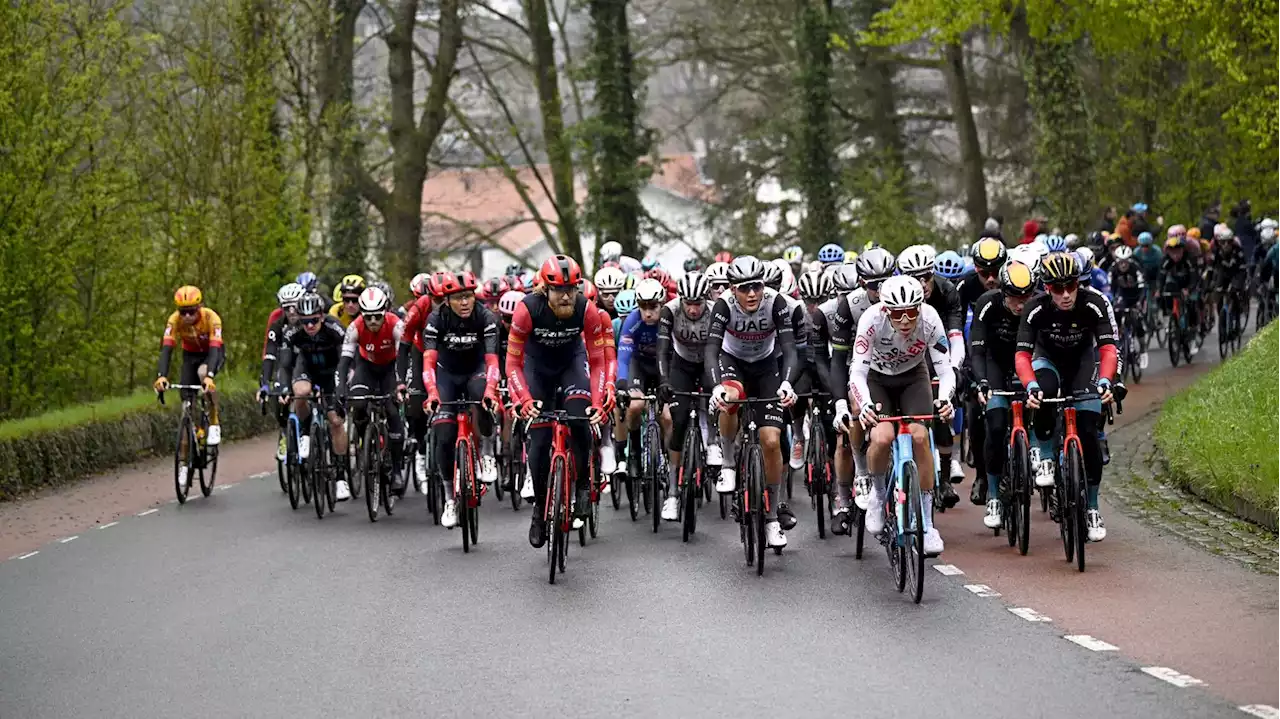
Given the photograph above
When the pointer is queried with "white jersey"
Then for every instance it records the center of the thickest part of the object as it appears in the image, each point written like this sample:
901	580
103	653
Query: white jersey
829	309
751	336
688	337
881	347
859	303
629	264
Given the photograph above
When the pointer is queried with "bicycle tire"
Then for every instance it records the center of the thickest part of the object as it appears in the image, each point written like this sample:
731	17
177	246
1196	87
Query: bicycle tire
330	464
557	537
1009	510
1136	355
306	480
1021	465
281	473
690	466
1065	526
897	545
754	466
1224	332
657	483
515	466
349	460
819	470
293	472
633	491
859	521
1175	341
366	465
384	470
318	479
915	545
1078	488
462	471
187	433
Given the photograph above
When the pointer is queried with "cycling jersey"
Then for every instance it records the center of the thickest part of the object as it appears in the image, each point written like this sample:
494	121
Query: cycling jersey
543	342
1099	280
686	337
849	311
1149	257
336	311
993	337
377	352
312	357
1229	271
1180	275
610	348
1047	331
637	349
969	289
416	320
1128	285
820	348
880	347
830	307
751	336
271	346
201	338
945	299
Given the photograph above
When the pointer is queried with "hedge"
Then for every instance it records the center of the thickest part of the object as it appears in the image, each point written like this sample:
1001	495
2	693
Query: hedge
52	457
1218	436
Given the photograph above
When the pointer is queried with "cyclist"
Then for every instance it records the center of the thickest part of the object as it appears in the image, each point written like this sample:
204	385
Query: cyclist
371	343
794	257
286	317
890	377
918	261
993	337
609	282
750	325
638	367
717	275
1130	292
418	288
507	305
200	330
1229	275
309	358
778	277
1057	337
460	362
557	344
411	347
605	449
1179	274
490	291
683	326
346	299
693	264
308	280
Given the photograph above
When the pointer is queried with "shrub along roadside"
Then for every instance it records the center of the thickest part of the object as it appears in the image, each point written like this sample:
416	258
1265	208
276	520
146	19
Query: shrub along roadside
35	457
1218	436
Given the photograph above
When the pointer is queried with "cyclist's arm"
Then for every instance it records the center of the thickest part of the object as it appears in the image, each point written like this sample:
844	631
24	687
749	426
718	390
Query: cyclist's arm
492	373
430	353
715	338
786	339
627	347
665	322
818	350
1026	343
217	354
978	340
596	338
841	340
166	346
610	349
1104	333
350	348
861	366
939	353
284	365
521	325
270	347
954	322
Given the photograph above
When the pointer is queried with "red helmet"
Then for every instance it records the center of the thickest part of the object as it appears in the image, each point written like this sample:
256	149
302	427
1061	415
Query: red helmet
589	290
723	256
660	275
452	283
492	289
611	263
560	271
517	284
435	285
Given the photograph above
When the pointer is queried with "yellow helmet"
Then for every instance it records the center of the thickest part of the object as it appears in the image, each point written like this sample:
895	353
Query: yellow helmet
1059	267
188	296
352	283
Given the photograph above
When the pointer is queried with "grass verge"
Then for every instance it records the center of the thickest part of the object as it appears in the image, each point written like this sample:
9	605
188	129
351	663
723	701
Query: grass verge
1218	436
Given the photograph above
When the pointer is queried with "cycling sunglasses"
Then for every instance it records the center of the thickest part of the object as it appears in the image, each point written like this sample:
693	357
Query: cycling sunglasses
350	299
1063	288
188	311
904	315
373	316
310	321
749	287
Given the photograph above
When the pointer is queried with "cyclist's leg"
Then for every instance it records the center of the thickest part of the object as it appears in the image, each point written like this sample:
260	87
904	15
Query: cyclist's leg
483	422
731	380
577	400
1088	423
995	422
683	378
386	384
707	421
419	421
202	371
444	427
795	418
761	380
1045	420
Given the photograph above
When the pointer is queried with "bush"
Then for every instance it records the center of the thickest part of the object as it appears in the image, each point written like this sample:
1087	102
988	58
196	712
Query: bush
1218	436
66	446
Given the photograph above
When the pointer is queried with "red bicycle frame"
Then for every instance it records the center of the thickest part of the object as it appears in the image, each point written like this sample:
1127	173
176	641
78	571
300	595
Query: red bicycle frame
1015	408
560	440
464	450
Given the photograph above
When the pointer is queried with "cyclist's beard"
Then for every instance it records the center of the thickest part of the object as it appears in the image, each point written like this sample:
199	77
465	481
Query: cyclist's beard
563	308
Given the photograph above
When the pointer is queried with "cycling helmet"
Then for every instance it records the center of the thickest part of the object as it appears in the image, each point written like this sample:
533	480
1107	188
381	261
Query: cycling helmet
508	302
1139	207
1040	249
845	278
725	257
988	253
1192	234
650	290
793	253
916	260
289	295
1173	241
788	286
626	303
454	283
693	286
816	286
850	257
1072	239
1222	232
1027	256
1145	238
311	304
1016	279
902	292
516	283
1055	243
589	290
949	265
649	263
875	264
1267	234
1122	253
630	282
374	299
386	288
693	264
188	296
492	289
717	273
308	280
1041	238
871	245
831	253
351	283
560	271
1180	231
418	285
659	274
746	269
1085	257
610	251
610	279
771	275
1060	267
435	285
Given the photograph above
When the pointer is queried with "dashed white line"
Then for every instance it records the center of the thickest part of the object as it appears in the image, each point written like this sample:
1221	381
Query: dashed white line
982	590
948	570
1261	710
1090	643
261	475
29	555
224	487
1030	615
1172	676
153	510
108	525
72	538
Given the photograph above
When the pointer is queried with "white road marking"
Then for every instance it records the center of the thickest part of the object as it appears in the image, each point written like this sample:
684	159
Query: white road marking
153	510
109	525
948	570
1261	710
224	487
982	590
28	555
1172	676
1090	643
261	475
1029	614
72	538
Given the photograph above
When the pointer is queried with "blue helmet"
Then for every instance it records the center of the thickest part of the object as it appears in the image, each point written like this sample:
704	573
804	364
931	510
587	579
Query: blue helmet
1139	207
1055	243
1145	238
308	280
949	265
626	302
648	263
831	253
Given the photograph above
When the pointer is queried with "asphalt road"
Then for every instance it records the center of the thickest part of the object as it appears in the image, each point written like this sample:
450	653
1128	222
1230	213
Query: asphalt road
237	606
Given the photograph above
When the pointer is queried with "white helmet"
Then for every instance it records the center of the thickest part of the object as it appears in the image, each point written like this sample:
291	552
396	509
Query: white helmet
610	279
1268	234
772	275
1222	232
610	251
692	287
1267	223
916	260
788	285
289	294
875	263
1122	253
745	269
509	300
816	285
717	273
650	290
373	299
902	292
1041	249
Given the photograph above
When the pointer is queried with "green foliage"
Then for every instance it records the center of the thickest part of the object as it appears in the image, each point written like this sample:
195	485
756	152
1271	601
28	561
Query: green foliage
1219	435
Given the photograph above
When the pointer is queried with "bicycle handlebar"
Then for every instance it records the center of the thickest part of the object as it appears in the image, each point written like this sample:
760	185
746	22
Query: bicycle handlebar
160	393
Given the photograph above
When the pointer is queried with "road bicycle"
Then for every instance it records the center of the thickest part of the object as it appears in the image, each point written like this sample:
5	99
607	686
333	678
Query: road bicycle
373	459
1178	335
691	480
648	488
558	504
190	450
1231	321
1131	350
819	472
751	503
321	467
1016	482
467	492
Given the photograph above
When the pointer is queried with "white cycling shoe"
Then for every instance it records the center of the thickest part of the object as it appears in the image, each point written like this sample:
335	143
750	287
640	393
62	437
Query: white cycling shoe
957	472
282	449
304	447
797	453
1097	530
608	460
488	470
342	491
861	489
875	515
449	518
932	543
214	437
1044	473
715	455
727	481
671	509
773	534
526	492
182	476
992	519
420	471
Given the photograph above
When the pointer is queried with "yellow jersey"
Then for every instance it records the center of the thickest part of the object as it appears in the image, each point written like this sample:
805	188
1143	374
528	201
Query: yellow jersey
344	318
198	337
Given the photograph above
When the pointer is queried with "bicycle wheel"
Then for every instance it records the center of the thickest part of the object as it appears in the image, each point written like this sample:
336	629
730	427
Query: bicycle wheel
463	478
593	519
305	464
897	545
1135	354
819	470
1224	332
859	522
385	466
319	479
915	533
292	469
653	474
1078	488
281	473
515	466
1174	335
1066	528
350	461
690	491
633	487
367	472
754	476
186	435
1020	464
1009	509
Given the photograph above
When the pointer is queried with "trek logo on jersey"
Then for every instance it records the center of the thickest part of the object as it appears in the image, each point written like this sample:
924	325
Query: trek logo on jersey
460	340
554	337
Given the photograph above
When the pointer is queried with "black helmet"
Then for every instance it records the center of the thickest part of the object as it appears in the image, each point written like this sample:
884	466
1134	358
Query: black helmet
311	304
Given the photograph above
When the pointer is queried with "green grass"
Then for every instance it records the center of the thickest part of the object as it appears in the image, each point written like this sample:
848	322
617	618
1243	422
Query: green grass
1219	436
107	409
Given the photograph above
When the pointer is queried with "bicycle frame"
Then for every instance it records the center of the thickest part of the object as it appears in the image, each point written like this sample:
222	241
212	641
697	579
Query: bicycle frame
902	453
465	449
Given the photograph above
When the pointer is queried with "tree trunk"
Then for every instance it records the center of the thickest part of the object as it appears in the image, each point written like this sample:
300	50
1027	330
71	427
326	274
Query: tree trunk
876	70
975	183
347	230
559	153
816	175
1064	157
